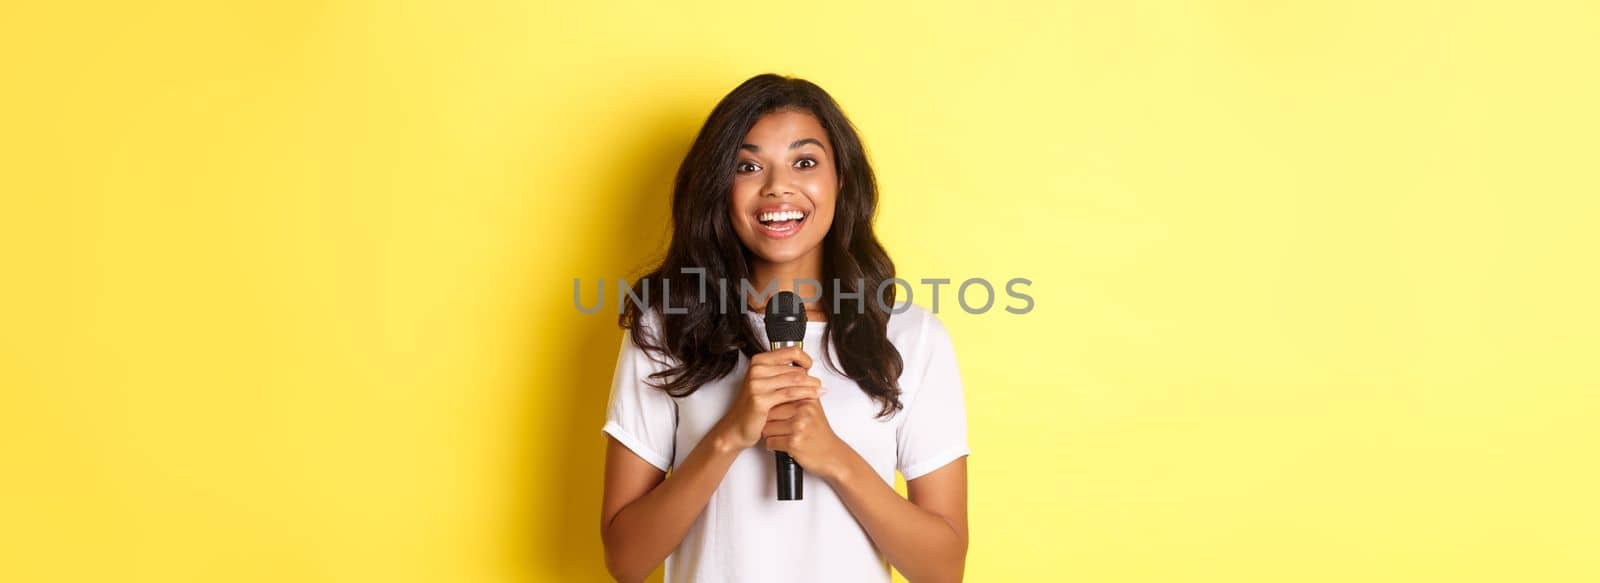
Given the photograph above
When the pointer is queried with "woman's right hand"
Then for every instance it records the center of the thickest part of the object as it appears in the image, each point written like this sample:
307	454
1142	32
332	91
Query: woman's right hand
770	381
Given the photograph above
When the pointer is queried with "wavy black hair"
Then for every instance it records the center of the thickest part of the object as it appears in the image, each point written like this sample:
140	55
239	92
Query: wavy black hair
703	344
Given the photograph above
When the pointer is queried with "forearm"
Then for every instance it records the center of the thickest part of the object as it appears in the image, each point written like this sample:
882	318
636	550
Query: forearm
921	544
645	531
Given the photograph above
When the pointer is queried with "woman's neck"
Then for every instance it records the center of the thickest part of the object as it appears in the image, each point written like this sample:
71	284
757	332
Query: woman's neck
783	276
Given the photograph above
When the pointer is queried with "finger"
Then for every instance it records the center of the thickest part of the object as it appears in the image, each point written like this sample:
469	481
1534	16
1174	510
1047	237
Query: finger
769	400
781	412
793	394
766	371
774	357
779	443
782	356
799	357
775	428
794	378
798	407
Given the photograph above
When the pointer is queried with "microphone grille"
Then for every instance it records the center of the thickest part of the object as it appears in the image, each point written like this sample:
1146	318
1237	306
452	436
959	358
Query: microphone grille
786	318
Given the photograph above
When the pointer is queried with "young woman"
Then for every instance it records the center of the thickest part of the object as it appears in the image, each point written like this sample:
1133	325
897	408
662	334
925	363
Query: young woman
775	191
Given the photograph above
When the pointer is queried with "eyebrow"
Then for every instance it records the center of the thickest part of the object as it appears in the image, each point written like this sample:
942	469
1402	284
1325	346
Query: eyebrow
796	144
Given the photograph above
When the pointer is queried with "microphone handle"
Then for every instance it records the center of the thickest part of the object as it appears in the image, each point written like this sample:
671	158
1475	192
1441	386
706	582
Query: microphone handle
790	475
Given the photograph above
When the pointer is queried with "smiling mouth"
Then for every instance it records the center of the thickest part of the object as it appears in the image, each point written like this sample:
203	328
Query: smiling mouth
779	224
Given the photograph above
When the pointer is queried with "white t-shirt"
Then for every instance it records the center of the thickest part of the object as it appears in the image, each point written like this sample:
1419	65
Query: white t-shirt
745	533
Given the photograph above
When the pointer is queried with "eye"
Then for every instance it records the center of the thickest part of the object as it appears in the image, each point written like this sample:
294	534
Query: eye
806	163
746	167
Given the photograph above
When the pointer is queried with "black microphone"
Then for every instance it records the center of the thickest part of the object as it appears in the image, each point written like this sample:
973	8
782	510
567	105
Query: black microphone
786	326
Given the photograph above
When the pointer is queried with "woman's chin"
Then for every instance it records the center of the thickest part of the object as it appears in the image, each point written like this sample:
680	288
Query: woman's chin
781	252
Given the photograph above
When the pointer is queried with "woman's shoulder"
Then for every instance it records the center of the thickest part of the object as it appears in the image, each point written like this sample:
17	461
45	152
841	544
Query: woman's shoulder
913	328
925	349
641	332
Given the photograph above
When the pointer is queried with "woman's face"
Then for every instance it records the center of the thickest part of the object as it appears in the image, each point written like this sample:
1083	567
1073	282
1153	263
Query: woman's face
784	187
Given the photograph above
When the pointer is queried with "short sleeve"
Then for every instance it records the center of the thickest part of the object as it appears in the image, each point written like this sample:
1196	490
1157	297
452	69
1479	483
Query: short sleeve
934	432
641	417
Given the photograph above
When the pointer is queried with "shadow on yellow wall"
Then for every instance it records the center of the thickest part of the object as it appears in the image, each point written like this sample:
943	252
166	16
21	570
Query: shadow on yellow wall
638	179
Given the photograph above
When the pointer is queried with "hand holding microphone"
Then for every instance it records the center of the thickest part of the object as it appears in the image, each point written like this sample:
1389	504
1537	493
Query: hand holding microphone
774	378
778	402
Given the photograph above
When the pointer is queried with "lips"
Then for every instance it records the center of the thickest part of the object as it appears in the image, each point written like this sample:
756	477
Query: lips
781	221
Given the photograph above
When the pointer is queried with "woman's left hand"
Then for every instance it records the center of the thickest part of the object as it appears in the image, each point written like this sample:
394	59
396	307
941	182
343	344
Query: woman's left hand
800	429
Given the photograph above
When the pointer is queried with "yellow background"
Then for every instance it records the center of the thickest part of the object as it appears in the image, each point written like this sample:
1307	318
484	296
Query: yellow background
287	285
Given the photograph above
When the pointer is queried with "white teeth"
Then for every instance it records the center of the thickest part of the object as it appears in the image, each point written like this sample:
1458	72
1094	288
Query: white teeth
780	216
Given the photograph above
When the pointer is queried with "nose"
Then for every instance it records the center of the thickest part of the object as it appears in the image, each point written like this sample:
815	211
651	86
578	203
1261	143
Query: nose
780	182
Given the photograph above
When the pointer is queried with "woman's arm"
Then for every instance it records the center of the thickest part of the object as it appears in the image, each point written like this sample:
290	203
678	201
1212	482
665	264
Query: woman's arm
646	513
924	537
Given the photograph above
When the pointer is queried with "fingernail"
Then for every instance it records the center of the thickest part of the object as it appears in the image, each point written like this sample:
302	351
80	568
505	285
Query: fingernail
822	391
